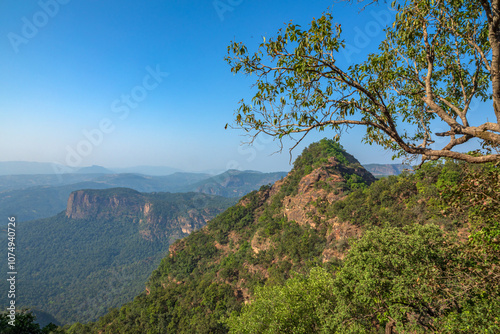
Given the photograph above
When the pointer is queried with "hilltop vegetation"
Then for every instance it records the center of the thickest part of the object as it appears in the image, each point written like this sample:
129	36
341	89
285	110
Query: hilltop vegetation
392	253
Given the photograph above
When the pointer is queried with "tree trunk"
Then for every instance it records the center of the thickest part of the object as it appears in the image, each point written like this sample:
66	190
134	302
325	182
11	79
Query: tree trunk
389	328
494	37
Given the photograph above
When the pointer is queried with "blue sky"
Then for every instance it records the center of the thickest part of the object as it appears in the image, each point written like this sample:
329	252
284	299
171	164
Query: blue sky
125	83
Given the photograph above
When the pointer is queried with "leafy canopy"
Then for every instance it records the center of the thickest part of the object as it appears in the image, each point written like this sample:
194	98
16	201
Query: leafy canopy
415	279
437	58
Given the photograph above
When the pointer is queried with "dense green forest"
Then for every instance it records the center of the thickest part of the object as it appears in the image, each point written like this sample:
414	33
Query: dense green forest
76	268
414	253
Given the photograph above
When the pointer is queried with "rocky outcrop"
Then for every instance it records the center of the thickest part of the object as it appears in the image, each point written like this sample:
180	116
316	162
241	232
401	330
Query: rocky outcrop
324	184
92	204
157	215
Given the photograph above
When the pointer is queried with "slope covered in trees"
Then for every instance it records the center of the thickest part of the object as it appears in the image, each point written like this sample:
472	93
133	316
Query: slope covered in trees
305	256
99	252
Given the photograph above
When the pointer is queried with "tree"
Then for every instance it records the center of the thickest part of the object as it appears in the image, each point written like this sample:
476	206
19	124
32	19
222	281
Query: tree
415	279
24	323
437	58
301	305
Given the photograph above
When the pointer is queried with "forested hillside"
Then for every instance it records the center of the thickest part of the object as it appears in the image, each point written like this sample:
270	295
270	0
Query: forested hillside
329	249
99	252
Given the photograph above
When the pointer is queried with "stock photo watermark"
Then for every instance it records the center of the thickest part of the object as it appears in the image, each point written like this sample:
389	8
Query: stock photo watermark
31	25
12	270
364	35
258	145
223	6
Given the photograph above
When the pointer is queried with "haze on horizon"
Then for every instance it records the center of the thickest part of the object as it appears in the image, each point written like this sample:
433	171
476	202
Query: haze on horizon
121	84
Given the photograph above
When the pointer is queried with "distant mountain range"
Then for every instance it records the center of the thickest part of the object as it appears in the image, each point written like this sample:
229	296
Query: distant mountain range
386	169
235	183
94	170
144	183
148	170
26	167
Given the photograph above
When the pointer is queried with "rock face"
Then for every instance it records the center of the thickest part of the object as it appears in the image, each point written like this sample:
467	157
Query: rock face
317	190
324	184
158	215
92	204
322	175
312	189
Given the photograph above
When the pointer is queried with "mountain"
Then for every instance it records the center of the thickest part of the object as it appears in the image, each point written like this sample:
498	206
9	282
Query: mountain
94	169
386	169
256	266
25	167
148	170
235	183
41	201
326	249
99	252
268	235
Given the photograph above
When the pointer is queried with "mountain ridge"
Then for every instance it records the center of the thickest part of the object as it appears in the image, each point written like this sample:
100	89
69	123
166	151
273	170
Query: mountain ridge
263	238
41	201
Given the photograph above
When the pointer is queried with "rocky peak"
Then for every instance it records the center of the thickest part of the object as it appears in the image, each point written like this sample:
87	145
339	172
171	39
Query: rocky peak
323	173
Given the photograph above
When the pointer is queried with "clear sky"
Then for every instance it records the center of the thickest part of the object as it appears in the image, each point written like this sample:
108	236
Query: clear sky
125	83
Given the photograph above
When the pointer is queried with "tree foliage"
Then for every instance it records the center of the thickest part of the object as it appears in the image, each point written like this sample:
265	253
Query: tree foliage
415	279
24	323
477	194
437	58
408	265
301	305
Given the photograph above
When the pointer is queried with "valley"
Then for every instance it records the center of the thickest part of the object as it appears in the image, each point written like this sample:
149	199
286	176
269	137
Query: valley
98	243
253	266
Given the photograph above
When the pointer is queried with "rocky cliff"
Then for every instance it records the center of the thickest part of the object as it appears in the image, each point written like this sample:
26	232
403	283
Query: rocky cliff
92	204
157	214
98	253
